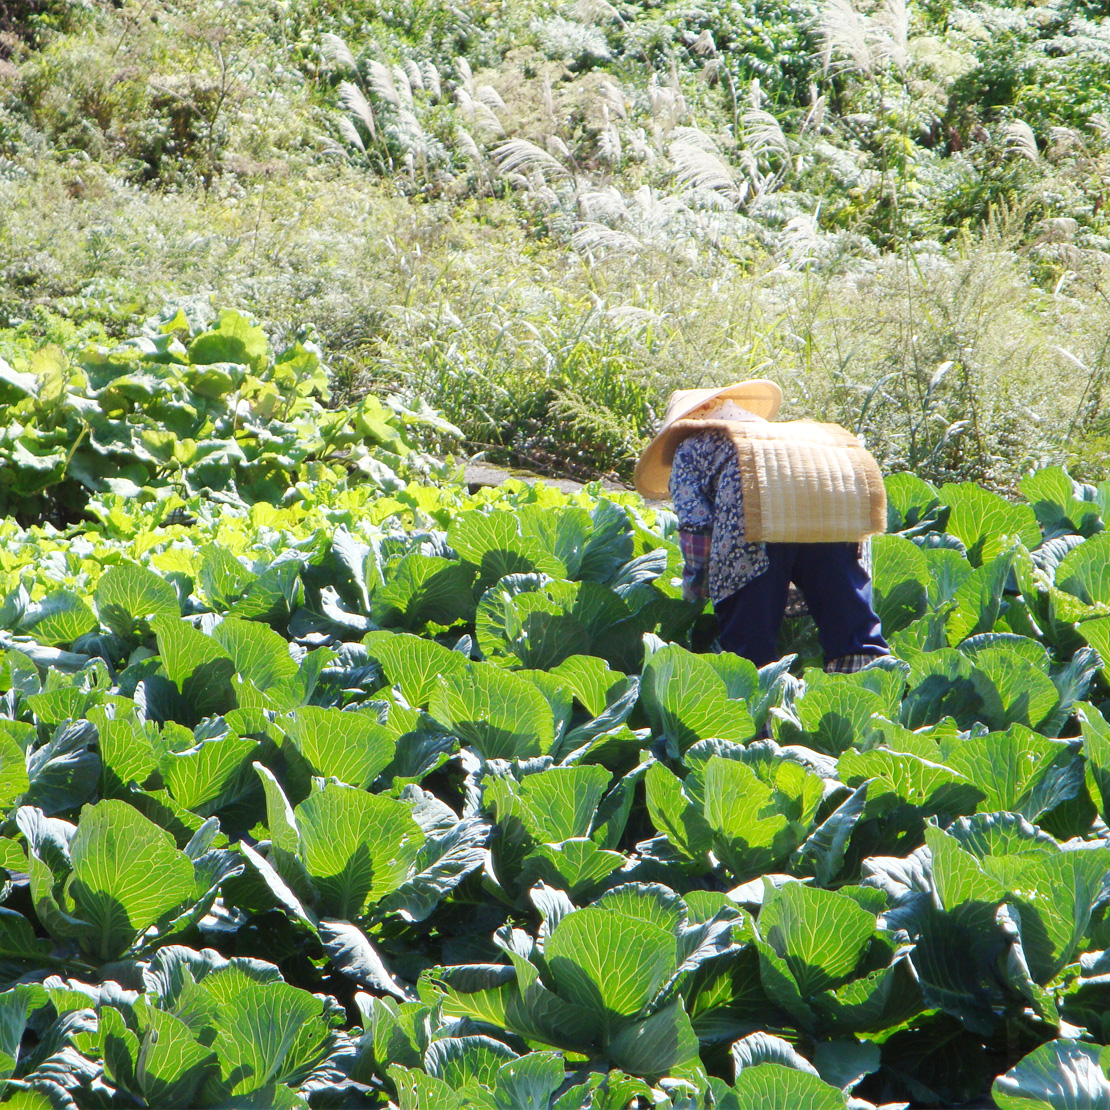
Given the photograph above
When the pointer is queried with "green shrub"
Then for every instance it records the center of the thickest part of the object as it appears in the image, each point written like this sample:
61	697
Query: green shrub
188	406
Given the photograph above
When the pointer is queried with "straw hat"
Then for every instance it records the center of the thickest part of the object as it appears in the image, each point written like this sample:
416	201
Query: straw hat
652	474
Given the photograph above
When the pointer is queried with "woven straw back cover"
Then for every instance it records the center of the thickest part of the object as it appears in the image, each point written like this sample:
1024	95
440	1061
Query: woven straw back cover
804	482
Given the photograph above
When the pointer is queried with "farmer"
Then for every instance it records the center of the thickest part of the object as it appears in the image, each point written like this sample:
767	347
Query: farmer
761	505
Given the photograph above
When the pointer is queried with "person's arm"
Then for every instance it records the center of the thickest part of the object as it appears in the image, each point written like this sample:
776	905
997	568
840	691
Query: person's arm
695	571
693	491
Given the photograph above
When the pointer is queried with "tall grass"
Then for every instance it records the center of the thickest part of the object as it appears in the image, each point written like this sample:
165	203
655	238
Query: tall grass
545	220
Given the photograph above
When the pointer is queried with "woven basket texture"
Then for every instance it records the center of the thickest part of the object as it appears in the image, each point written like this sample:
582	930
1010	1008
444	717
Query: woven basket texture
804	482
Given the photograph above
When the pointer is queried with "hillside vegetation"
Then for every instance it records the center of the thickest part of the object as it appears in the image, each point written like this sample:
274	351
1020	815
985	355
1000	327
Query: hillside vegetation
544	216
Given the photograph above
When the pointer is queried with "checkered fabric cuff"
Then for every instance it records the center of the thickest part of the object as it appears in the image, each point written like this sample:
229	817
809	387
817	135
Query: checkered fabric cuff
695	553
849	664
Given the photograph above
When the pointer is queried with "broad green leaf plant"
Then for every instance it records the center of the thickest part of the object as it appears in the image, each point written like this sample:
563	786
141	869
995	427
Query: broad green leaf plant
434	798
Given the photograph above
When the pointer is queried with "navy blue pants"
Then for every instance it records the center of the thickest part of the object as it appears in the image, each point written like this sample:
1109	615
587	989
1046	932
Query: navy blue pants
837	591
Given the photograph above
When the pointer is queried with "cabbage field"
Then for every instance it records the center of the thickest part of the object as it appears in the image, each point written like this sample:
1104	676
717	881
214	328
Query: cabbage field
328	783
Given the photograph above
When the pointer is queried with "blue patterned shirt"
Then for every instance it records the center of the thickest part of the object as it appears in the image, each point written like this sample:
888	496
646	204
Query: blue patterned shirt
709	500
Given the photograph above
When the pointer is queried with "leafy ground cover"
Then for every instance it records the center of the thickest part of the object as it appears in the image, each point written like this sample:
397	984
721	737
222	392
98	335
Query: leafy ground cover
426	798
193	403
